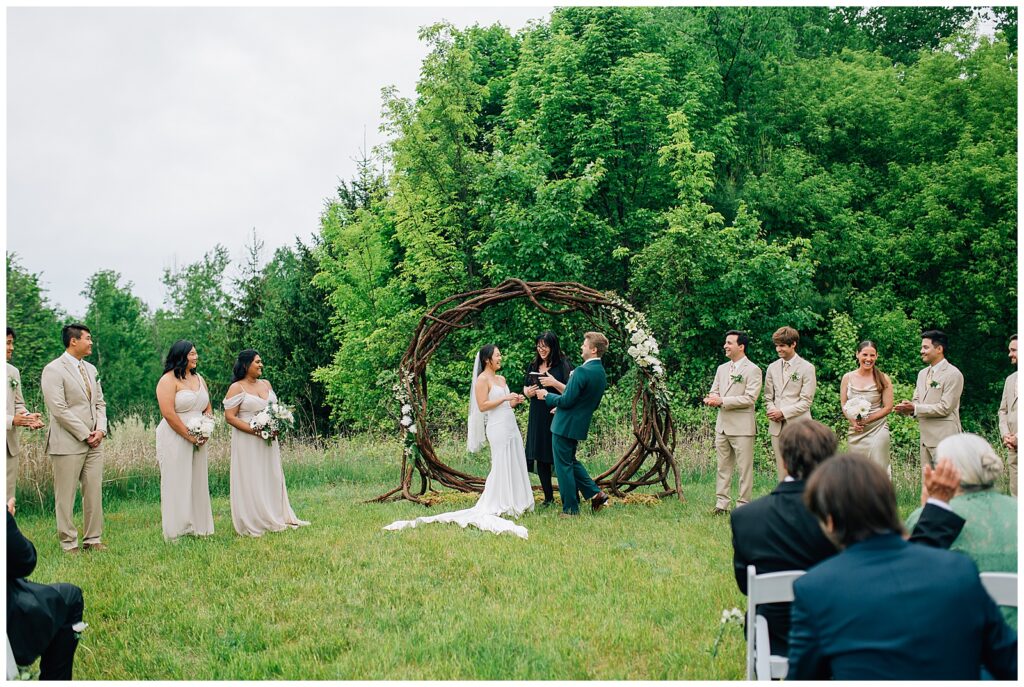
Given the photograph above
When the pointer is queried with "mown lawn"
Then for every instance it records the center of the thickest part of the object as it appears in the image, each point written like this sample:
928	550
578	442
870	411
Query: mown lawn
632	593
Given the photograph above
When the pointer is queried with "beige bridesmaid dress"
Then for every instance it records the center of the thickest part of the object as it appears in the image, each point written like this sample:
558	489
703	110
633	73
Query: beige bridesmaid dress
184	488
259	498
873	442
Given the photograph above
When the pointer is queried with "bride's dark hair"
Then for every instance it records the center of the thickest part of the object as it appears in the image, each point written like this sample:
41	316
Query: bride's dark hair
177	358
555	351
485	354
242	364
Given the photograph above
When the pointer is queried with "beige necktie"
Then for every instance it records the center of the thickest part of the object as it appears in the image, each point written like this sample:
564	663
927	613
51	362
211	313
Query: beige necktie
85	379
928	377
785	368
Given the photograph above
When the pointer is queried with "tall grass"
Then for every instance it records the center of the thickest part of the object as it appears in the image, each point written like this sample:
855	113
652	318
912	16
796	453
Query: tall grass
633	593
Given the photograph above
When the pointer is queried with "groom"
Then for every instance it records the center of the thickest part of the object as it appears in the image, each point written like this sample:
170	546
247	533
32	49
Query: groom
576	404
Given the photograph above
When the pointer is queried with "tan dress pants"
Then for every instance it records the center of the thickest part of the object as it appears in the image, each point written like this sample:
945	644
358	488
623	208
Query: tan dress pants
734	452
12	475
68	472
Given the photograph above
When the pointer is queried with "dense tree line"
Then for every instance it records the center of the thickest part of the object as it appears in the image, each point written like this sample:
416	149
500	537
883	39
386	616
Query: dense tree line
848	172
273	307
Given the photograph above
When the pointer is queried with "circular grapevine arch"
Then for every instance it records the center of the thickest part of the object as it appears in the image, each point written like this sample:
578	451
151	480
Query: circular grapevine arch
648	461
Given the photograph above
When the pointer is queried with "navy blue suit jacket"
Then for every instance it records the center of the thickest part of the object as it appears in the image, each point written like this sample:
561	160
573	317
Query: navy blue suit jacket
885	609
777	532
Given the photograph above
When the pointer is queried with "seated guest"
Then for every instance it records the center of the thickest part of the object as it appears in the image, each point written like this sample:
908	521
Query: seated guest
990	536
884	608
777	532
39	616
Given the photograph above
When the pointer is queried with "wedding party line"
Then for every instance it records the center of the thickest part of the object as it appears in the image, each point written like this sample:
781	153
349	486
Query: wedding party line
562	401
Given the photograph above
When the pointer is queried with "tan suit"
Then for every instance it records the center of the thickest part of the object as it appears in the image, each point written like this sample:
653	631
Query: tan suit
1008	425
74	413
937	406
15	406
735	428
792	392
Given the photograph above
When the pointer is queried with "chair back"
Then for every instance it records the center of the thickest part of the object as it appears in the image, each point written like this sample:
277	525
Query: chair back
767	588
12	666
1002	587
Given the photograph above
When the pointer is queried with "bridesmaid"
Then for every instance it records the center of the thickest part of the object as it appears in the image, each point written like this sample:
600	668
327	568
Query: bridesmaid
184	460
550	369
259	498
869	436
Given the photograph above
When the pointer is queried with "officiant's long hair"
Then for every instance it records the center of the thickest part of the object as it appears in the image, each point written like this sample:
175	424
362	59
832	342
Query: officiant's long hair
555	354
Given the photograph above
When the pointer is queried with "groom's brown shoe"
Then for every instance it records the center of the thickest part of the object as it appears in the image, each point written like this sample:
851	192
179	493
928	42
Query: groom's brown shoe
599	501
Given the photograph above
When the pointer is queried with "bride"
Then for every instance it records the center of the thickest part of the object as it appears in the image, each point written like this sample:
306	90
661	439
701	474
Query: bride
507	490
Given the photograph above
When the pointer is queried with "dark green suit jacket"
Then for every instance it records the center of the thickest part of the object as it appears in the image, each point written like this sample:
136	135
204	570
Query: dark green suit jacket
578	402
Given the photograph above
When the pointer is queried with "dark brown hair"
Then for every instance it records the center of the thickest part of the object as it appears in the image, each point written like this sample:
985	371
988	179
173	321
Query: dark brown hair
805	445
857	495
881	381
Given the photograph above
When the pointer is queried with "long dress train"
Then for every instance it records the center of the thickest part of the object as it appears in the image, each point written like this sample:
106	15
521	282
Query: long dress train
507	490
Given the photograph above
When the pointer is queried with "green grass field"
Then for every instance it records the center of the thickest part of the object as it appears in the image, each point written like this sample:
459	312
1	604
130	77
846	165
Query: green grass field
635	592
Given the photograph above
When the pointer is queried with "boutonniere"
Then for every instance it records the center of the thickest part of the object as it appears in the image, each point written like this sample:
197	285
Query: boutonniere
13	382
934	384
736	378
793	377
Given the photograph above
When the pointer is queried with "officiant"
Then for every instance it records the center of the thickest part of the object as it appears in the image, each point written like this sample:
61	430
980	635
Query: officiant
548	369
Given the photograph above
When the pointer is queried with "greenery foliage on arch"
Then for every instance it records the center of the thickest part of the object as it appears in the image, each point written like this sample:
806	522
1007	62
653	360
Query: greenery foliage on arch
649	460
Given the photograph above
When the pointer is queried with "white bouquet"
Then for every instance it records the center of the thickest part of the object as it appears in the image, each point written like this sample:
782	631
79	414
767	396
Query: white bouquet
201	427
273	421
857	408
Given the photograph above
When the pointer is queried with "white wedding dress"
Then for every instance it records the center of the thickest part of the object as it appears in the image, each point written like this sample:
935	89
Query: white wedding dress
507	490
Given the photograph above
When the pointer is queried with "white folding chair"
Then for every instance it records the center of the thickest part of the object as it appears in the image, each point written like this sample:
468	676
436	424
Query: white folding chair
768	588
12	665
1002	587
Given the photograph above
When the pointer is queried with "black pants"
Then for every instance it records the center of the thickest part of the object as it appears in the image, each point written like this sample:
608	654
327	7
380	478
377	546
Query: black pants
59	655
544	472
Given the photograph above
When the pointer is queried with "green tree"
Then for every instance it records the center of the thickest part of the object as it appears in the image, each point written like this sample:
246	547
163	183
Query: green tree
123	350
198	308
36	326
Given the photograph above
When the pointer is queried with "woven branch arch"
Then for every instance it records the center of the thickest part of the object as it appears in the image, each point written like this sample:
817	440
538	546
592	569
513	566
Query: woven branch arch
650	458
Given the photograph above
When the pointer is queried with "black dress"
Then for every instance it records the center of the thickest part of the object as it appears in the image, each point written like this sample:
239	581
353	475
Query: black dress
538	431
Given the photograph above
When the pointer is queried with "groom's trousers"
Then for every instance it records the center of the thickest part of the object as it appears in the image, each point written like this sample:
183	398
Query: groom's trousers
572	476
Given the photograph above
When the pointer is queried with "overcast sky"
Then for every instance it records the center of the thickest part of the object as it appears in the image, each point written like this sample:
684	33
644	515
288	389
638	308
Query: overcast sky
138	138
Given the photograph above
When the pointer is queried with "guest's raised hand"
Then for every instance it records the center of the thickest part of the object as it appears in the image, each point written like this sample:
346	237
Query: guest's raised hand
942	482
10	505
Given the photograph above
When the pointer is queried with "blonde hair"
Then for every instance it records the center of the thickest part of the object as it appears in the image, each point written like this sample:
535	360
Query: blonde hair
597	341
974	457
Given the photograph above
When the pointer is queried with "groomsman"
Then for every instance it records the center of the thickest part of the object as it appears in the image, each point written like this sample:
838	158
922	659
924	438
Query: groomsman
17	416
1008	418
78	424
936	402
734	392
789	386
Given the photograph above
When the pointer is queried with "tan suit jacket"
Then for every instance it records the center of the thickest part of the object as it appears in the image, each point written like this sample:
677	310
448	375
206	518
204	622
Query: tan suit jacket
72	416
937	405
15	406
1008	407
792	396
736	414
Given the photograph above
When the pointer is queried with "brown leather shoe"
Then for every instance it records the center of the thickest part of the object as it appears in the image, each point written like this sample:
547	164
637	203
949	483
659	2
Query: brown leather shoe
74	551
567	515
599	501
98	546
720	511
